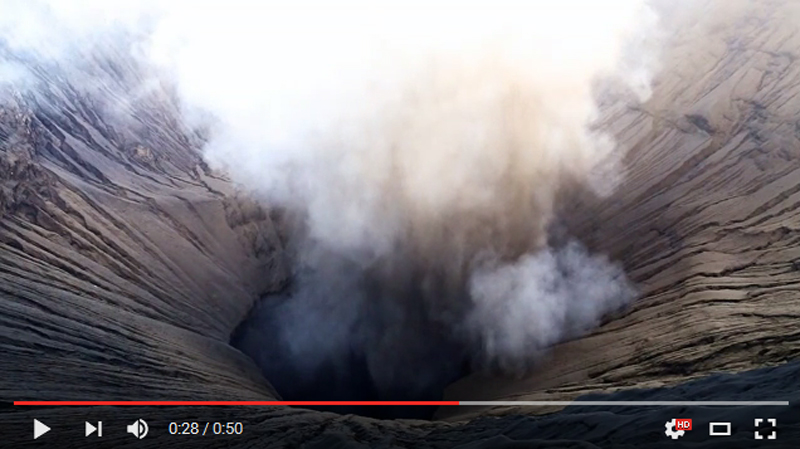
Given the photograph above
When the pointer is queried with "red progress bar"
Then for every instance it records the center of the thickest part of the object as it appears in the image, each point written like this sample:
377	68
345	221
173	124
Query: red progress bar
298	403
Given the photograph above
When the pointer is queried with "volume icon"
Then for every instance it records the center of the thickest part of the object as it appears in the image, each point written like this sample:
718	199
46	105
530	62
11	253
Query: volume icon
90	428
139	429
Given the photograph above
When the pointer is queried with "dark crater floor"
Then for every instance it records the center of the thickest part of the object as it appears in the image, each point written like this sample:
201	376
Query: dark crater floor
322	356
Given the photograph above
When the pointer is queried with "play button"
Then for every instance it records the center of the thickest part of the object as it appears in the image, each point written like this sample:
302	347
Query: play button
39	429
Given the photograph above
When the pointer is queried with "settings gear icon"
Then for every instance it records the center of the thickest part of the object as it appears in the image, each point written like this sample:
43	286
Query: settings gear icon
671	432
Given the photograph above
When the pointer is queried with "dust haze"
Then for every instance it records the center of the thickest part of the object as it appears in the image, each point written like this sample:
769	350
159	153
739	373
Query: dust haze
419	147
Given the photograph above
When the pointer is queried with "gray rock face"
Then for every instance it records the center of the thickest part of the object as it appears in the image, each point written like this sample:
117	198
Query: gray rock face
126	264
114	251
706	221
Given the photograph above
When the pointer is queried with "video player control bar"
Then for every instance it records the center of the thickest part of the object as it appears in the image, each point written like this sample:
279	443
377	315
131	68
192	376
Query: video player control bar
408	403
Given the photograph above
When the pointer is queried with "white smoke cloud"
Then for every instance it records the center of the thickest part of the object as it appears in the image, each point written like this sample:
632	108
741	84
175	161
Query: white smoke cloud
524	307
346	106
54	30
12	74
414	137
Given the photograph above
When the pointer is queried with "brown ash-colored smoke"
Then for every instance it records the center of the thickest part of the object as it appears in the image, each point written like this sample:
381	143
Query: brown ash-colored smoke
421	148
425	210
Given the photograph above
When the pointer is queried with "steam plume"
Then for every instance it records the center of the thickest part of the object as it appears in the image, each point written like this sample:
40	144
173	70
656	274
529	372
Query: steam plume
422	145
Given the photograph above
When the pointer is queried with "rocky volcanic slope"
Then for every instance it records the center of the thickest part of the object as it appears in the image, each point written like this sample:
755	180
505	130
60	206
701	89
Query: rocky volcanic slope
707	222
125	264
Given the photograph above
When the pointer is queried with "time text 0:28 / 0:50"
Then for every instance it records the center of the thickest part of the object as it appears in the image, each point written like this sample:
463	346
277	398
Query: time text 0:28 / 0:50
206	428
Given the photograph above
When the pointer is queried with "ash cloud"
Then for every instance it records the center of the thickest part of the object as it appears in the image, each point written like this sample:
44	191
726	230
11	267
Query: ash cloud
524	307
421	145
417	141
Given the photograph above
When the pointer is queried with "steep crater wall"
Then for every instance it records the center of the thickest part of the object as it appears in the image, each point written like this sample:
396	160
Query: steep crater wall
126	264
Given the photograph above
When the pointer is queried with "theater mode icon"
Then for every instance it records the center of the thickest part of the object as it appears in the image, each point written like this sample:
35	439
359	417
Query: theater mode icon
719	429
